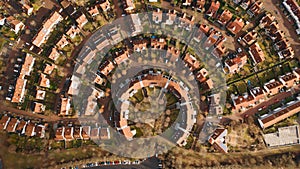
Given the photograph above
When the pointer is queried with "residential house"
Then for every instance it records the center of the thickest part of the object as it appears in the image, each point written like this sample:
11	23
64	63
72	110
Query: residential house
49	68
225	17
235	64
200	5
73	31
54	54
211	40
121	57
104	133
250	37
65	107
187	2
4	122
158	43
93	11
40	94
287	53
59	134
235	26
68	133
105	6
266	20
106	68
191	62
19	90
44	81
255	8
2	20
86	132
294	11
12	125
44	33
201	75
74	87
256	53
245	4
241	103
29	130
186	22
62	42
258	93
213	9
279	114
288	80
273	87
172	54
21	127
157	16
81	20
129	6
139	45
38	107
217	140
14	24
67	7
39	131
27	66
171	17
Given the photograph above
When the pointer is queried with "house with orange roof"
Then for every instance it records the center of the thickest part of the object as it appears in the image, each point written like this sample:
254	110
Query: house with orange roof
287	53
121	57
44	33
28	8
158	43
186	22
241	103
191	62
105	6
200	5
273	87
211	40
27	66
277	36
49	68
129	6
139	45
95	133
44	81
19	90
213	9
40	94
187	2
235	64
39	131
258	93
81	20
235	26
59	134
202	32
4	122
104	133
29	130
106	68
250	37
172	54
157	16
266	20
171	17
68	133
219	51
21	127
74	86
279	114
288	80
85	132
208	85
12	125
62	42
256	53
245	4
93	11
14	24
255	8
38	107
65	107
77	133
293	9
99	80
225	17
201	75
272	28
296	72
54	54
73	31
217	140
